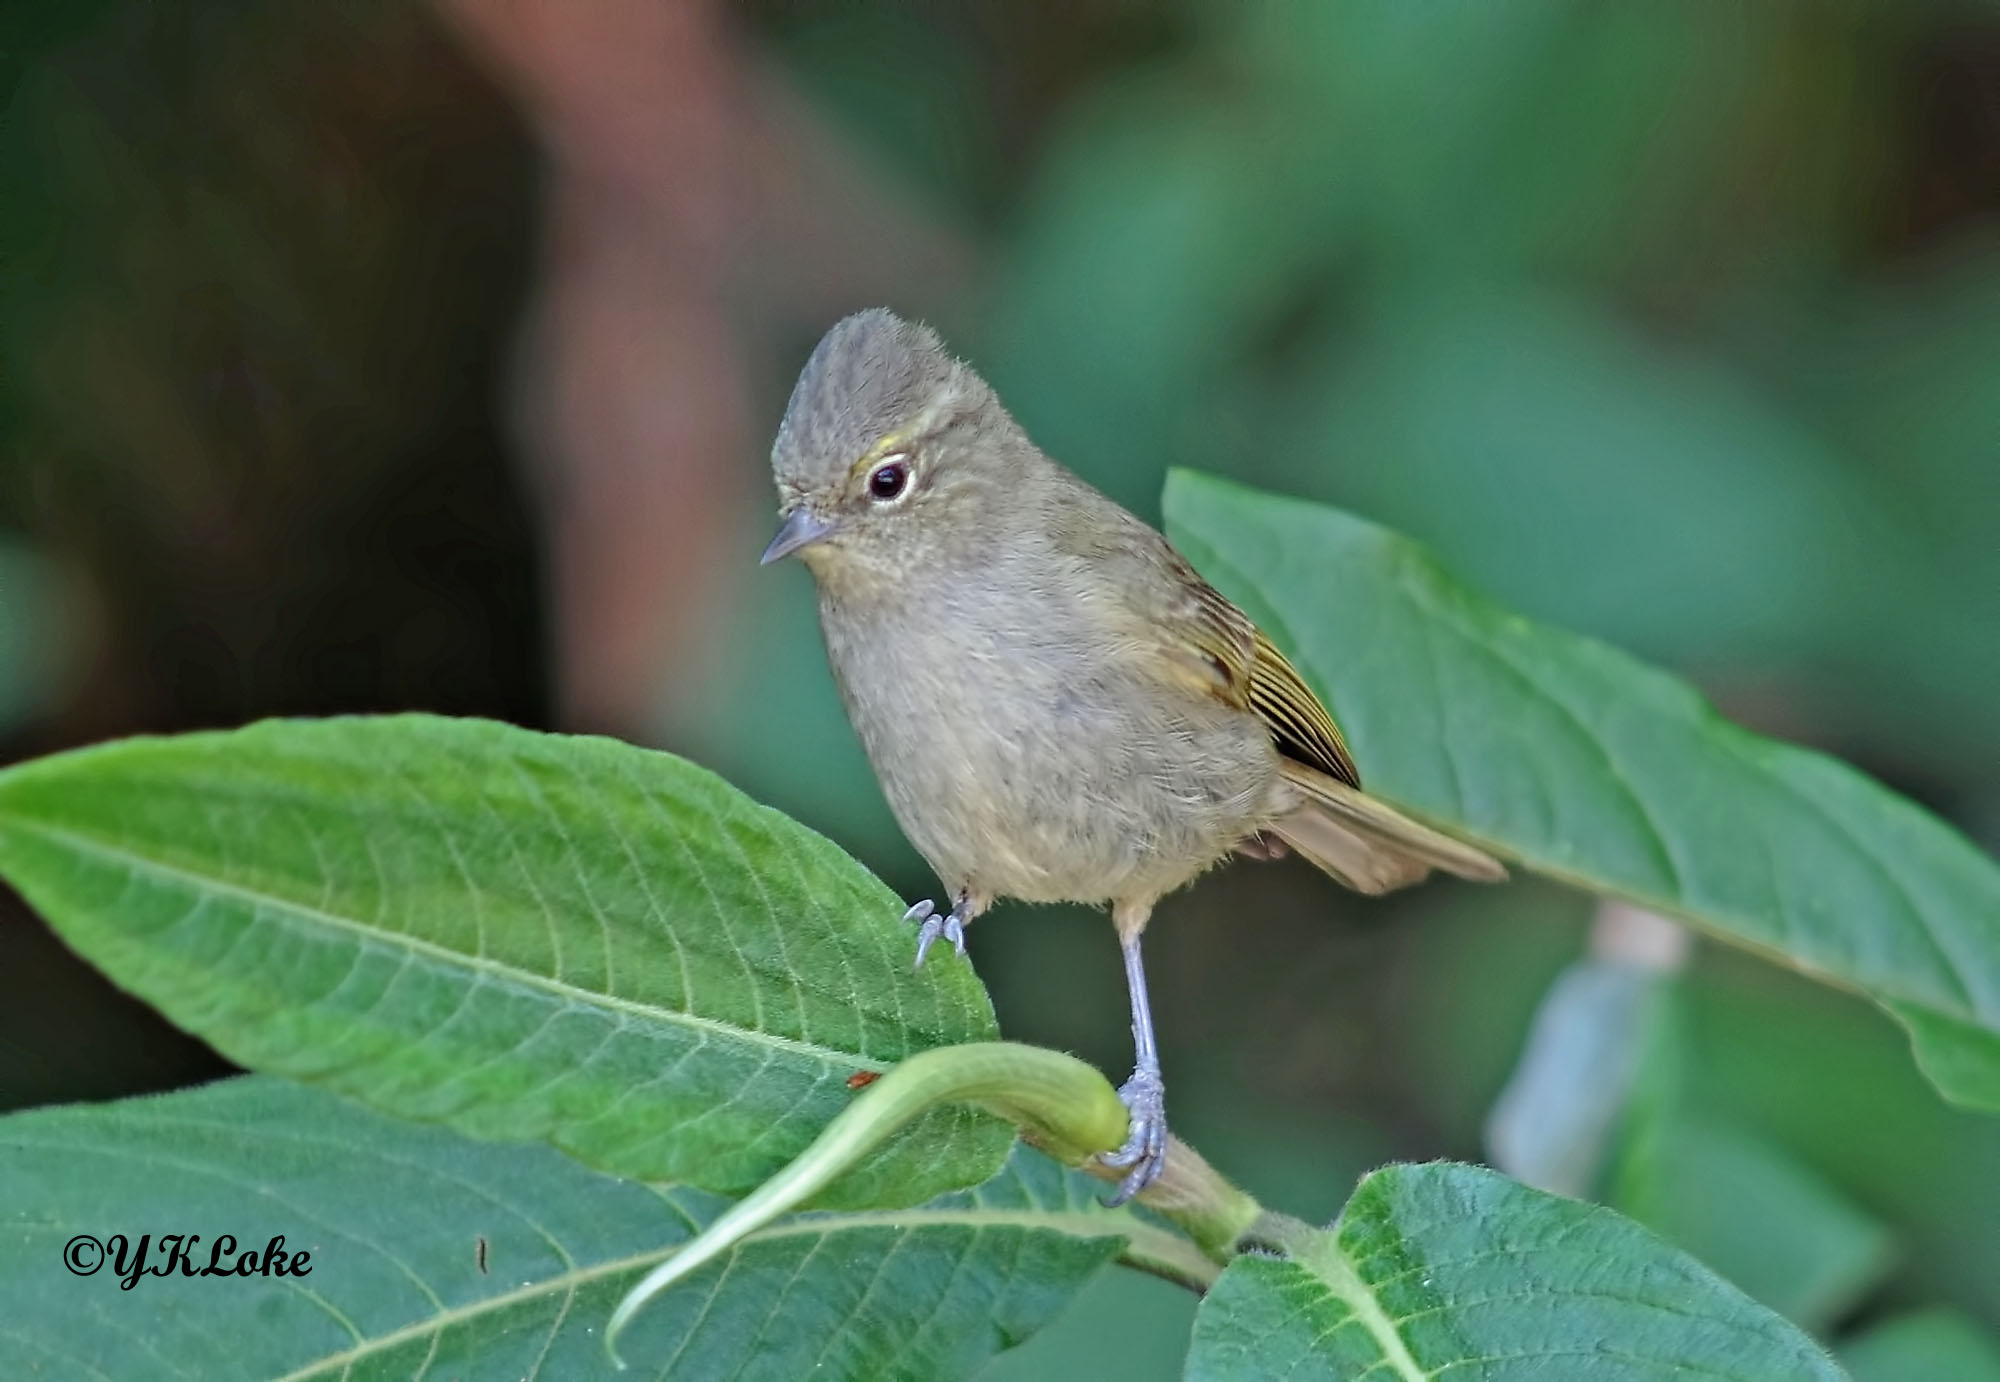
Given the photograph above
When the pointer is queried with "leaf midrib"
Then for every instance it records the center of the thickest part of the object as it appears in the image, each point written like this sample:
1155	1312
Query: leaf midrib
1158	1243
92	846
1329	1263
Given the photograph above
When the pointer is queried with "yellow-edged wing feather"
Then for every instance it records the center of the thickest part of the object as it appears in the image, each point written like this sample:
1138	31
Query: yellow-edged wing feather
1217	650
1369	843
1366	843
1300	724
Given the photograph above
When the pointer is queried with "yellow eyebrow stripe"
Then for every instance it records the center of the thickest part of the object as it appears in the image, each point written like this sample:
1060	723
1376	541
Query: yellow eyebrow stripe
876	453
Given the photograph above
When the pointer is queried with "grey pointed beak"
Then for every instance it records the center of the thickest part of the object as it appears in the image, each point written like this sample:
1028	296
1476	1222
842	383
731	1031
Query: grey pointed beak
802	529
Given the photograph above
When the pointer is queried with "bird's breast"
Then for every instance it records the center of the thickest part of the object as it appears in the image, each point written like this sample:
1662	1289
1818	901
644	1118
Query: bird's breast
1024	756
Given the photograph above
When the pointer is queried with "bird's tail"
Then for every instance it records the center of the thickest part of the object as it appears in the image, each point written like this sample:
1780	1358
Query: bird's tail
1367	844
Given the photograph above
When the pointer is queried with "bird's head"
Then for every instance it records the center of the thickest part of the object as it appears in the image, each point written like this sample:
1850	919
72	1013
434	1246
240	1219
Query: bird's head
891	454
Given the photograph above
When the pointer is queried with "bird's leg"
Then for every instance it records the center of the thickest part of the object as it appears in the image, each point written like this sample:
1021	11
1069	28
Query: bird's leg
950	925
1144	1154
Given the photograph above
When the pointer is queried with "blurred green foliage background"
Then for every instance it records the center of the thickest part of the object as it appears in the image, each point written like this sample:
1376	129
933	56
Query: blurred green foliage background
381	355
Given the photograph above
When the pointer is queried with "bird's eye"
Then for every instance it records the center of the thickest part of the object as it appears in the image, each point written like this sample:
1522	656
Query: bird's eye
888	481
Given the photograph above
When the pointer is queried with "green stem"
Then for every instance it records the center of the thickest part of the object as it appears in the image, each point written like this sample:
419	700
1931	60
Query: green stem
1061	1104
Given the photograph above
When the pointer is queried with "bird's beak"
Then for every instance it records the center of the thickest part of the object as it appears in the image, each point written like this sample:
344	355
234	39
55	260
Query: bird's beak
801	529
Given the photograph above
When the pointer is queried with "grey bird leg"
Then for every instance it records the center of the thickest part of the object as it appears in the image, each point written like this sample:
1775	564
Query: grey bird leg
1145	1094
951	925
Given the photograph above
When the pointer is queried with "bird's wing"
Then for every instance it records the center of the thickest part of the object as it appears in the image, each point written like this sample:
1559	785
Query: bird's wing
1213	647
1300	724
1156	605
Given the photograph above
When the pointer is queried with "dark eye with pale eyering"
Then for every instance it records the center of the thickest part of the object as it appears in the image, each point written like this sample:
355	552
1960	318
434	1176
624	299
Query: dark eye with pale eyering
888	481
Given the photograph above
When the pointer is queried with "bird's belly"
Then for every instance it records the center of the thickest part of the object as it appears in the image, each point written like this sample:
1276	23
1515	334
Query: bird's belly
1059	827
1040	783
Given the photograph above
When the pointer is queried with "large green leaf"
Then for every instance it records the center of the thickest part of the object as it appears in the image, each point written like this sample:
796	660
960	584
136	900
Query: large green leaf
431	1254
525	936
1456	1270
1583	764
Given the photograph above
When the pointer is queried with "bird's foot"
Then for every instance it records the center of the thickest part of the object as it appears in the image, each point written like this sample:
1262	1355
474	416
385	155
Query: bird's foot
950	925
1144	1154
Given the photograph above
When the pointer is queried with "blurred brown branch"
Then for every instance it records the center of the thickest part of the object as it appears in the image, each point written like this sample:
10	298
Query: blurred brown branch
673	159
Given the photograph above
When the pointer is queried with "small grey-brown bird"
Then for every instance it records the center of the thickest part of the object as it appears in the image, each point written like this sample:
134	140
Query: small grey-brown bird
1059	709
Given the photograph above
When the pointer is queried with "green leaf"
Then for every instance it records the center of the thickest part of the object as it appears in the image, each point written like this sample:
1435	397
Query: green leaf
1457	1270
1583	764
1924	1346
396	1217
524	936
1764	1221
1744	1205
1554	1123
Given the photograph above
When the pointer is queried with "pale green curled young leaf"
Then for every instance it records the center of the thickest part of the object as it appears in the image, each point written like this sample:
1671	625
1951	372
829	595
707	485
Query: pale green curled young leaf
1582	763
1456	1271
525	936
433	1254
1064	1106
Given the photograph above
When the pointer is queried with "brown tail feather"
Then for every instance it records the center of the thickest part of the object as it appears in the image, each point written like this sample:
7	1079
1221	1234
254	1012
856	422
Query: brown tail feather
1359	863
1368	845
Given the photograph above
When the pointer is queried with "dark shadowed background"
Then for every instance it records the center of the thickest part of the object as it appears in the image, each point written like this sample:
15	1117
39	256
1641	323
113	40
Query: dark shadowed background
379	355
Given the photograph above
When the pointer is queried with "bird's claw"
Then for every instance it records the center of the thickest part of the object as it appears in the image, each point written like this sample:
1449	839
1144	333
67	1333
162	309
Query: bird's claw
948	925
1144	1154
